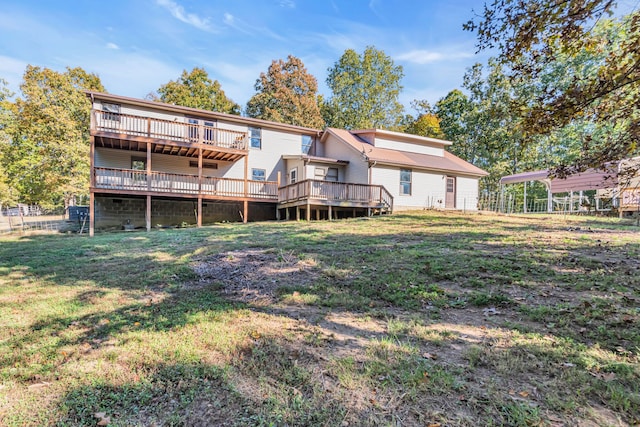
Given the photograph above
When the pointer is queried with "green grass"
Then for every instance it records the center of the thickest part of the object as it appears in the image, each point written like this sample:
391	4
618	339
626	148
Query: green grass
412	319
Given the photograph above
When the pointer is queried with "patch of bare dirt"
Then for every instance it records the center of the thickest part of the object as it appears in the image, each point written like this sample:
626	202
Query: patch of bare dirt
254	275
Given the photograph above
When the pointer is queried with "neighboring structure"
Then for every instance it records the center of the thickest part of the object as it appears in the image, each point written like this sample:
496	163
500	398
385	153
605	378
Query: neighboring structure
617	187
156	164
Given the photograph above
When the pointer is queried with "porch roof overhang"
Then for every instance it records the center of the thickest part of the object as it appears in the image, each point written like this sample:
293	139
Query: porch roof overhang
315	159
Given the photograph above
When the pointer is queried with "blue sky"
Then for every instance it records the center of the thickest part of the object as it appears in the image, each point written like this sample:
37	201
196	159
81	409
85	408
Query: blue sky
137	45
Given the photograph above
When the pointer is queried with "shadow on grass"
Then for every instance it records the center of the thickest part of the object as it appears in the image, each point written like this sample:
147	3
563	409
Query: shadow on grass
448	264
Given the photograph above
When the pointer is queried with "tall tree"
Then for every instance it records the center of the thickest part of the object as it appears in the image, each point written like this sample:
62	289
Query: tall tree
532	36
47	155
365	90
425	124
287	93
8	194
195	89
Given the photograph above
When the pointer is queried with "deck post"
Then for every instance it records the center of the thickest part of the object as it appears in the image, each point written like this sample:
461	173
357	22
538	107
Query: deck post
286	214
199	220
278	193
297	213
148	166
330	213
92	213
92	179
148	214
246	185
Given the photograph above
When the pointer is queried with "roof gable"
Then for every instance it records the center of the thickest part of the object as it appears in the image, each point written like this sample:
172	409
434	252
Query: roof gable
447	163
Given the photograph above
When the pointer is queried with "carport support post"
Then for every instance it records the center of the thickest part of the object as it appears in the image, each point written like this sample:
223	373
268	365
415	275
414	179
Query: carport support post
549	199
524	206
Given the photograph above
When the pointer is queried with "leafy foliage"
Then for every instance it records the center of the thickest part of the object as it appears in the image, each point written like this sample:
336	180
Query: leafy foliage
287	93
196	90
533	37
7	193
365	90
425	124
46	157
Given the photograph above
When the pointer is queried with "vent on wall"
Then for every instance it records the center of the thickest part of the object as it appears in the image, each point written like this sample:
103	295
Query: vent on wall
205	165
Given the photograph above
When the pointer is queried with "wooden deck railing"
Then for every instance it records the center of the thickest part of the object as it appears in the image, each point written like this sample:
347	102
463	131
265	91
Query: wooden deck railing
169	130
164	182
373	195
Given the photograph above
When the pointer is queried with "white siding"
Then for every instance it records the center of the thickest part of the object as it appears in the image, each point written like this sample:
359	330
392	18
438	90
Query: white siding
426	188
434	150
274	145
467	193
121	159
358	169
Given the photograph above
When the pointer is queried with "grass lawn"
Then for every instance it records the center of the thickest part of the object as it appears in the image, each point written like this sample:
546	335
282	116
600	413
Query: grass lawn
415	319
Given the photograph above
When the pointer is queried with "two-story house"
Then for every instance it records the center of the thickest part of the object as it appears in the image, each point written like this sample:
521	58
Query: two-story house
155	164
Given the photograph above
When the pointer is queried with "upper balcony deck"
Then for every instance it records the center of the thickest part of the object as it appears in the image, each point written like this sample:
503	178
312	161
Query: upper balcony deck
132	132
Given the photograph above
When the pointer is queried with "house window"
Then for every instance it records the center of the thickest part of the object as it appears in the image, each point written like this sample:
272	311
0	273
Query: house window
293	176
111	111
332	175
255	136
306	144
208	130
405	181
139	163
209	135
193	129
328	174
205	165
258	174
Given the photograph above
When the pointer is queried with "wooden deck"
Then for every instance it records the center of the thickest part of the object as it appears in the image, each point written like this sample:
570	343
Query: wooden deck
129	181
316	193
307	192
131	132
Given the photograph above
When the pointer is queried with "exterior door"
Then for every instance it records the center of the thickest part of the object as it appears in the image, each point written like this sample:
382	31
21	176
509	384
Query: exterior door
450	197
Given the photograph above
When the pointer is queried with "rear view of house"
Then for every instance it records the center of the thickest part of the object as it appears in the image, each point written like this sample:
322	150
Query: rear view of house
155	164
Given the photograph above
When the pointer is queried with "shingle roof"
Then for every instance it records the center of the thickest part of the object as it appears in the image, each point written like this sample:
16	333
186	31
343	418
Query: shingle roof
448	163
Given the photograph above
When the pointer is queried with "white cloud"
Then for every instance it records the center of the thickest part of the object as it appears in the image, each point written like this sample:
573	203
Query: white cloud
427	57
289	4
113	46
229	19
142	75
12	69
179	13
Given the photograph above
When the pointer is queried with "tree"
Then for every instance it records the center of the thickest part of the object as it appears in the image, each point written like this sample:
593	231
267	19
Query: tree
425	124
47	156
8	194
287	93
365	90
196	90
533	36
